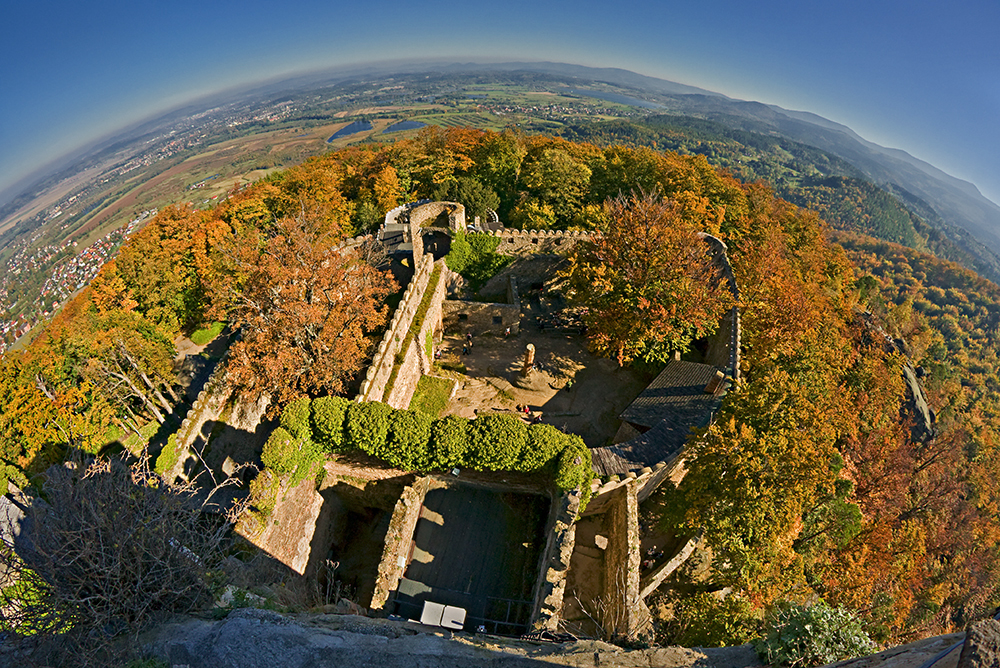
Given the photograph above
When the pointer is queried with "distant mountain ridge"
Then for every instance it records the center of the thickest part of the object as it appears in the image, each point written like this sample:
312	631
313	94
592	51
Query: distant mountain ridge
956	201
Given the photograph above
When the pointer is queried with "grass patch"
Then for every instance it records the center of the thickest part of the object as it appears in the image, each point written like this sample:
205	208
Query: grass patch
168	457
432	395
202	336
136	442
457	367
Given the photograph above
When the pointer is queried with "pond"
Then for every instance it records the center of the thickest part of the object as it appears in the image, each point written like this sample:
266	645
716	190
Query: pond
353	128
403	125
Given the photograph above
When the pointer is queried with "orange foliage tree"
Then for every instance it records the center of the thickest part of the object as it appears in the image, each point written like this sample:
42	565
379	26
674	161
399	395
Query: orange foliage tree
648	281
304	307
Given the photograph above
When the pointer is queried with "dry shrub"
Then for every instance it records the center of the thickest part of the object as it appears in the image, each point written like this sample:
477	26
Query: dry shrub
106	552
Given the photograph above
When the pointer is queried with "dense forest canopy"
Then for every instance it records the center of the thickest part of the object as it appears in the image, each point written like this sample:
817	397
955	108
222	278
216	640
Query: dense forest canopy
808	484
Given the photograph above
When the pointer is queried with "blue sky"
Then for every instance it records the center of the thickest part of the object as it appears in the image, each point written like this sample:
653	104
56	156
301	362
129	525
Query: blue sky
916	75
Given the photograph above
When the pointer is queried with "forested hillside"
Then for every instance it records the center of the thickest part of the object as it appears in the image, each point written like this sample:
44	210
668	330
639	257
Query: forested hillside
809	482
805	176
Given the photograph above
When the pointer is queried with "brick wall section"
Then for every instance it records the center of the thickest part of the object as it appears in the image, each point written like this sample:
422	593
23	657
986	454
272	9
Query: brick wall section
551	583
622	614
373	387
396	551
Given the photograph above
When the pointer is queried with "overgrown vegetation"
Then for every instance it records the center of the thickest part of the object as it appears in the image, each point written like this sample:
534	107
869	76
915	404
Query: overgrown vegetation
111	551
474	256
432	395
204	335
812	636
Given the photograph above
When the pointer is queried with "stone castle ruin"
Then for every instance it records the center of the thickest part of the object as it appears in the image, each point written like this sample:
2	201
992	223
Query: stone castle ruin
560	563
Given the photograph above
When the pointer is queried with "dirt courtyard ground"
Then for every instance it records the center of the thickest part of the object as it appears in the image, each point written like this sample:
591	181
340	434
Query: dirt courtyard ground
599	392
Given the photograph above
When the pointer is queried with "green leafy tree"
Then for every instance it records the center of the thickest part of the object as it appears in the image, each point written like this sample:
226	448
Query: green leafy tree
648	280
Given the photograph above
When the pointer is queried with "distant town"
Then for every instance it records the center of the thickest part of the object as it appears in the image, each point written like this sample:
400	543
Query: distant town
68	270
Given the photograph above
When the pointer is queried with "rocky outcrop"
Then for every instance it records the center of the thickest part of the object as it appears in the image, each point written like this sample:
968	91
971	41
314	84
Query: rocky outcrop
982	646
250	638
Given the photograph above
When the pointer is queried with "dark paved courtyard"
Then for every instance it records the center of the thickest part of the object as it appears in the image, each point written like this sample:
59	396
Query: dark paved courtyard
477	549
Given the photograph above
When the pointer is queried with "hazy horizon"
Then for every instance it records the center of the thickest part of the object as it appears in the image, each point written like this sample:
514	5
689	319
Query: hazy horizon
912	77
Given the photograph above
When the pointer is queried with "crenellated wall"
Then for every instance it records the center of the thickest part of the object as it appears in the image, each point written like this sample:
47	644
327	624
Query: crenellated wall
384	359
416	362
529	242
207	407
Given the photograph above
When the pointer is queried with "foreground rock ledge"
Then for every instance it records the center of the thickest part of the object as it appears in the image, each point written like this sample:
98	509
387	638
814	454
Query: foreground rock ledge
250	638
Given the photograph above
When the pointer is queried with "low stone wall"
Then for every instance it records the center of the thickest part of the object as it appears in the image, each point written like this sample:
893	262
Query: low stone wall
380	370
551	584
645	482
655	578
479	317
622	613
398	539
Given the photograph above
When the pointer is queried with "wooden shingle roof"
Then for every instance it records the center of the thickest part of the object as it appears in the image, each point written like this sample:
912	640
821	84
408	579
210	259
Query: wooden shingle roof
668	409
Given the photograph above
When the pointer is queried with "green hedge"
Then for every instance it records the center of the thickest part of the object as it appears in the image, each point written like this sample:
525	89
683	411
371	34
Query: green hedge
295	418
327	419
407	444
414	441
450	441
366	426
497	442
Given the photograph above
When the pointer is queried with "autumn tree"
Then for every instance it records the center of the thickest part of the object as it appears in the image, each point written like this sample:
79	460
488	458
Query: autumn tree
303	308
649	281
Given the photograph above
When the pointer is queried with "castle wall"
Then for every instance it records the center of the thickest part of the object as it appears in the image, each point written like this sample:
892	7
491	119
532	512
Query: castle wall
423	214
623	613
479	317
550	586
384	359
416	361
396	551
206	408
645	483
530	242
